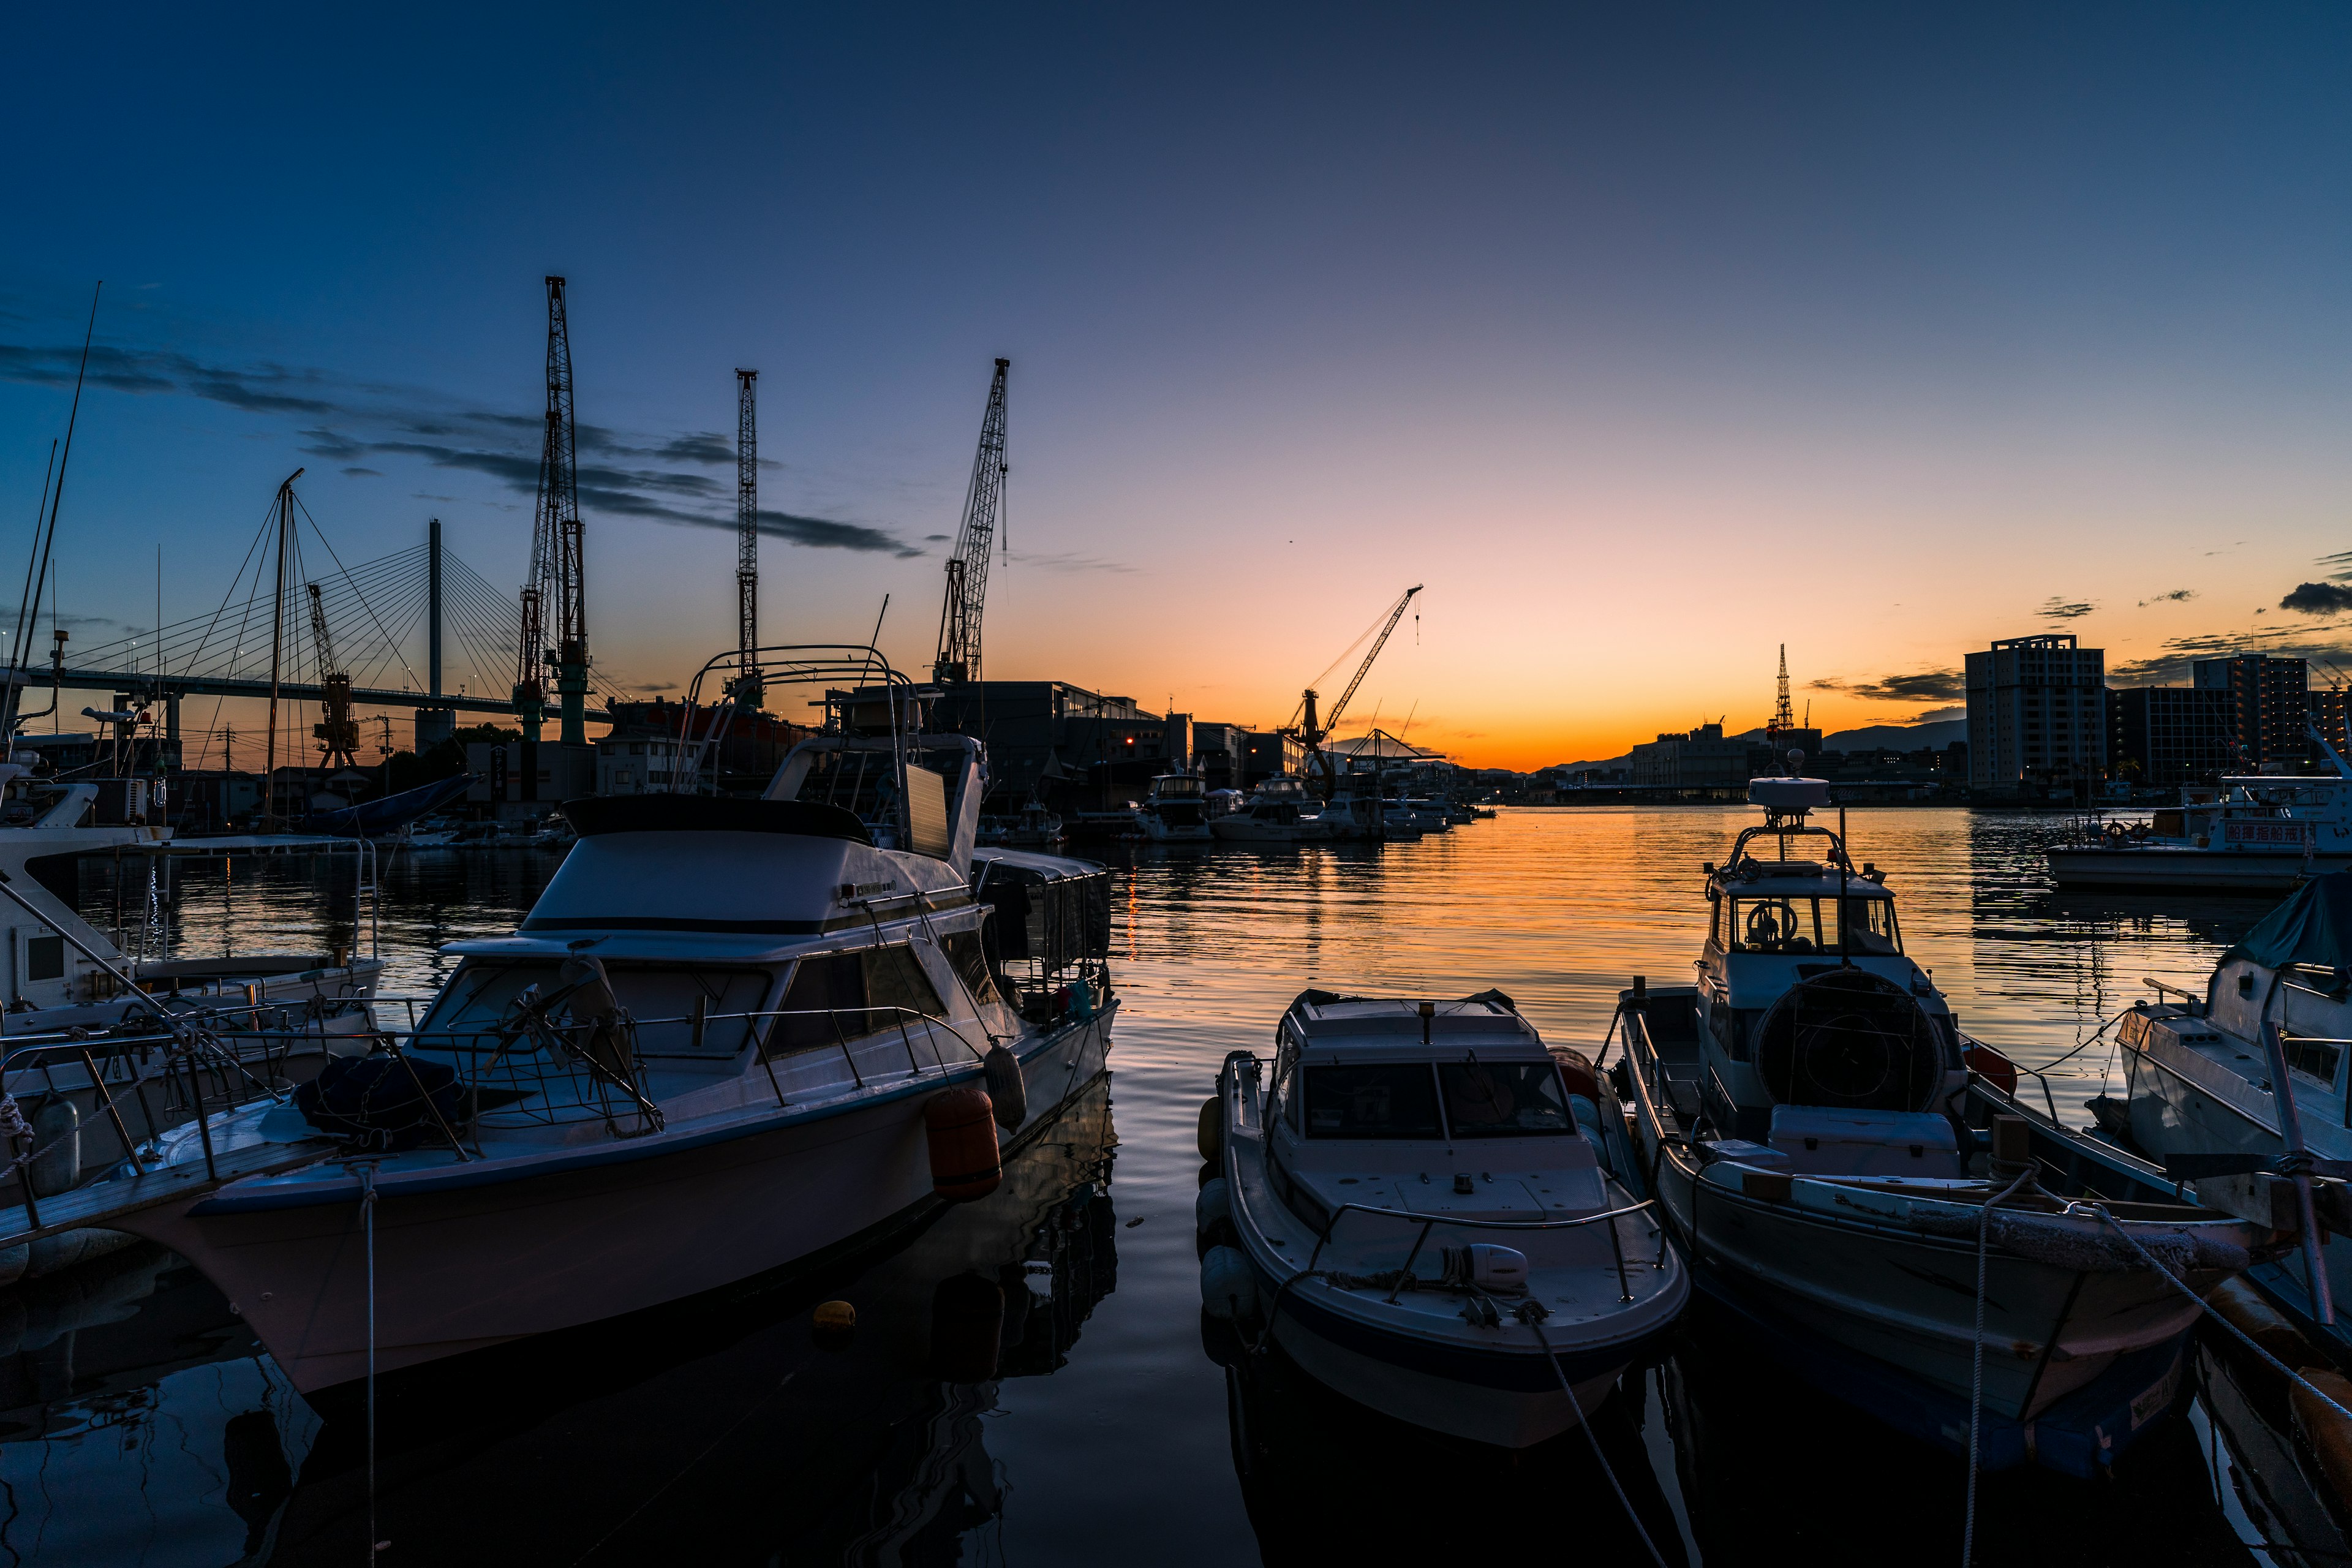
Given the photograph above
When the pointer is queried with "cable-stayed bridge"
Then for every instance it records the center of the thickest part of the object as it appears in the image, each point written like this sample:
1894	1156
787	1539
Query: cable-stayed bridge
418	628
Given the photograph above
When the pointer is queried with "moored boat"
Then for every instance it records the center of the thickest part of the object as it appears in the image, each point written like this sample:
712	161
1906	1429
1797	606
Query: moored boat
732	1035
1177	810
2257	833
1821	1150
1422	1216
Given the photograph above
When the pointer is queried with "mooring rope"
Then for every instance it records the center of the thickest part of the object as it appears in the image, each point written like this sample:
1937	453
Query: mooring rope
2243	1338
1976	1366
1530	1313
367	1227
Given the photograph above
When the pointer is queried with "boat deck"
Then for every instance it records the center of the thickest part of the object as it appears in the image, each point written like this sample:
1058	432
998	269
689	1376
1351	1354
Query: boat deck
103	1202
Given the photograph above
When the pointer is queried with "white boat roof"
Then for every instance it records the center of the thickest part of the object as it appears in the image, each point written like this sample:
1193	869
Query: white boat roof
1393	1026
1053	867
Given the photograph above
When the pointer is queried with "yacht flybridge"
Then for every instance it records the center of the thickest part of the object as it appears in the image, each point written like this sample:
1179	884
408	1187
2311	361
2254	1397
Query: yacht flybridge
1428	1214
1829	1149
732	1033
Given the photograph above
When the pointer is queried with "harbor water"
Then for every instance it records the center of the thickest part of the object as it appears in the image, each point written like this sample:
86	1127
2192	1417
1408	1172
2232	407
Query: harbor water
1030	1380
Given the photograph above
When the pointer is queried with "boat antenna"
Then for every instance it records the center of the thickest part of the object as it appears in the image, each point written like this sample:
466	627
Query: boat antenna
57	496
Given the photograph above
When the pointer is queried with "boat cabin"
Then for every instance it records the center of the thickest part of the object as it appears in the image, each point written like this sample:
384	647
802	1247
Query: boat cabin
1452	1108
1806	1004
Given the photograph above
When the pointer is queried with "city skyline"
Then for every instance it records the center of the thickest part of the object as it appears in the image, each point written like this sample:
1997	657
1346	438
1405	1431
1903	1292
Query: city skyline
1879	337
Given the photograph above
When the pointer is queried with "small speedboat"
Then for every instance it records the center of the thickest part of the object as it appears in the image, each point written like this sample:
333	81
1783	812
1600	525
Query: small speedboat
1428	1212
1833	1153
1280	811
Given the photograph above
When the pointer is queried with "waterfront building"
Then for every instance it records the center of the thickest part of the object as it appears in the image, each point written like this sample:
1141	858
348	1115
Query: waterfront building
1700	757
2268	704
2326	708
2037	713
2169	735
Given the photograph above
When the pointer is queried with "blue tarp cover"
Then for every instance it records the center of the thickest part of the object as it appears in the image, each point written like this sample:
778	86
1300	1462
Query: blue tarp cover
2314	926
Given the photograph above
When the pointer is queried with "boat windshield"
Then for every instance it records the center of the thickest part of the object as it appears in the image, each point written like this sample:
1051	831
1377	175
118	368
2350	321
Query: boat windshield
1397	1101
1505	1099
492	1002
1168	787
1784	925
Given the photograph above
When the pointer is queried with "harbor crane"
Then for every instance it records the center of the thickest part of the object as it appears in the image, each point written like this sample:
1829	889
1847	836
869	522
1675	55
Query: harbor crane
337	731
1304	726
959	656
747	685
555	598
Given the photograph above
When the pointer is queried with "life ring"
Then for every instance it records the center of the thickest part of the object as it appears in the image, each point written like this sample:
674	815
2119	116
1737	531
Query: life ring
2117	834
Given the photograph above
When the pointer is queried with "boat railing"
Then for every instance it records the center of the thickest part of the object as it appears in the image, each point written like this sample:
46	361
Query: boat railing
2163	990
579	1047
1429	1221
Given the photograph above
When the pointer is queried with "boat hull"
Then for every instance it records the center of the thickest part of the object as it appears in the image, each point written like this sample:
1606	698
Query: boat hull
2208	871
1507	1399
468	1265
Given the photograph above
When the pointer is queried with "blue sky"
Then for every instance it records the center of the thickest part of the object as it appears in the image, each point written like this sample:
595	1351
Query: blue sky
1648	341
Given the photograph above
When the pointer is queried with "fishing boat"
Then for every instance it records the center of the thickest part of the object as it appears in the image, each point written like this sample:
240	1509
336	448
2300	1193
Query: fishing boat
1821	1146
1425	1216
733	1034
1177	810
2256	833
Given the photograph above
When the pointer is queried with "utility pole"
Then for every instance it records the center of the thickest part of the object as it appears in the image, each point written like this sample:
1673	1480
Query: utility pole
747	690
959	656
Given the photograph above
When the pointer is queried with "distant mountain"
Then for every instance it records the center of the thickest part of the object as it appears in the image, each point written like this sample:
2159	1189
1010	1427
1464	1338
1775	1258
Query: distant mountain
1896	737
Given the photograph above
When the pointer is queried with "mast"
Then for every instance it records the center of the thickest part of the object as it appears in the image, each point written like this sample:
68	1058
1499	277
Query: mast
747	691
967	593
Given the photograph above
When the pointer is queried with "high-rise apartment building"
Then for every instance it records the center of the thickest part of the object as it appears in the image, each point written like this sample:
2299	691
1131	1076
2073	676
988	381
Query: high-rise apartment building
2268	704
2169	734
2037	712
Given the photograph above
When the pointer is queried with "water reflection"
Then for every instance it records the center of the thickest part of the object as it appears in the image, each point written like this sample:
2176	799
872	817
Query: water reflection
721	1430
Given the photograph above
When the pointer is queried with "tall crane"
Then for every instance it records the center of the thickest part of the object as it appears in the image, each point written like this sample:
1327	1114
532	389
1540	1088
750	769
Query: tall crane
958	657
337	731
1312	734
557	591
748	690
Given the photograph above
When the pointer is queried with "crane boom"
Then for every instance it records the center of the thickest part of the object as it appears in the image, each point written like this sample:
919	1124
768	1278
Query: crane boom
337	731
958	655
1332	719
746	542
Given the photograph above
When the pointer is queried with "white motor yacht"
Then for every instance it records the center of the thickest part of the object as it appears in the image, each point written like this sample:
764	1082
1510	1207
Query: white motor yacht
2256	833
732	1035
1280	811
1177	810
1425	1216
1819	1148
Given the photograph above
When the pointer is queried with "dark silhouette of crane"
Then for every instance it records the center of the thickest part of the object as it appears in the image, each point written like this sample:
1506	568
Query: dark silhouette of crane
337	731
959	656
747	684
1303	725
557	591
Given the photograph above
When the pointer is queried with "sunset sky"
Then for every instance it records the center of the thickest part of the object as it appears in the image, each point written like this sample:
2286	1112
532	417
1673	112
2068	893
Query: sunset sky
1647	339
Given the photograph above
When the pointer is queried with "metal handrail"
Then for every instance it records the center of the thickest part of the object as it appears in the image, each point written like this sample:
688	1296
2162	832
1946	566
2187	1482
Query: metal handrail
1430	1221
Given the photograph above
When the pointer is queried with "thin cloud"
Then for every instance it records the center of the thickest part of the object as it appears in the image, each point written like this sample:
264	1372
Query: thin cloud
2177	596
1072	562
621	474
2058	609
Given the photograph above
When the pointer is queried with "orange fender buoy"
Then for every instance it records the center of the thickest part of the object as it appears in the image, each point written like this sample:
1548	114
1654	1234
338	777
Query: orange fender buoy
2330	1435
960	1125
